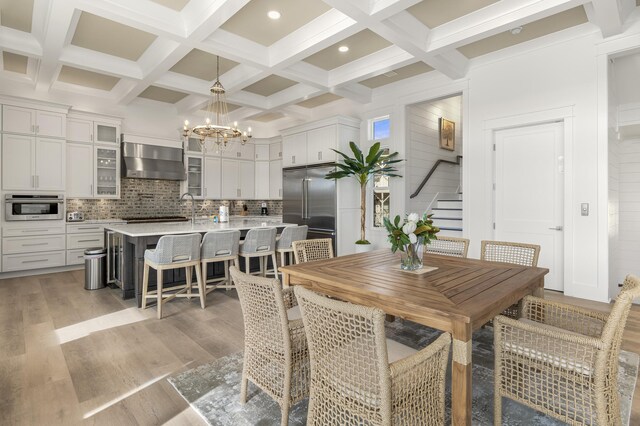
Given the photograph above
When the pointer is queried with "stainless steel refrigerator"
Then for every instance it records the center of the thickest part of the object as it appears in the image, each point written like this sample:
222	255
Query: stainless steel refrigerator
310	199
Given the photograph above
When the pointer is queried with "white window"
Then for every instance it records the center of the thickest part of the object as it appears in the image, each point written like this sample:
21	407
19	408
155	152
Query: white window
380	132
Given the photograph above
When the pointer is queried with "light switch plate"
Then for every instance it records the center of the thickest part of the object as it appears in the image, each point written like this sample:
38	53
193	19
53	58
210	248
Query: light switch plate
584	209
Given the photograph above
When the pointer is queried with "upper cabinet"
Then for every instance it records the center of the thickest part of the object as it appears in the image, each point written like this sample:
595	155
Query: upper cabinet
87	128
33	122
239	151
313	143
30	163
262	152
275	151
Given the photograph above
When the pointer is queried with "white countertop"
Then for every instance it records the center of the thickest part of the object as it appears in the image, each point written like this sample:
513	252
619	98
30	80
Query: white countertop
169	228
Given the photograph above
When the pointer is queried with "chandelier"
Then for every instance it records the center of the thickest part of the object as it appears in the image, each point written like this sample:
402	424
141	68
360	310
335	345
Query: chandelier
216	126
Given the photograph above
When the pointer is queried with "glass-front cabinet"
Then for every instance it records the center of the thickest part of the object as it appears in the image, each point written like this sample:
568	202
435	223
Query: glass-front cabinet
107	172
194	175
106	133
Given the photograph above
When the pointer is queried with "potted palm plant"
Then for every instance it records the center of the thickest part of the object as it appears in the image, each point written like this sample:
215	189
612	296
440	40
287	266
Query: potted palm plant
363	169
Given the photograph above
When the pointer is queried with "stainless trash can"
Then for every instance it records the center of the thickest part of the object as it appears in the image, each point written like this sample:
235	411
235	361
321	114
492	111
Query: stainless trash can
95	271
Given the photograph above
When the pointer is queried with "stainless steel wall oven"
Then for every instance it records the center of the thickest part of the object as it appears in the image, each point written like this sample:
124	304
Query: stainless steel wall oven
19	207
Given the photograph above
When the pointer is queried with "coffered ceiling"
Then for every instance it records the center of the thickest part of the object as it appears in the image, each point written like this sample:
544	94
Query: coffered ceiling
317	53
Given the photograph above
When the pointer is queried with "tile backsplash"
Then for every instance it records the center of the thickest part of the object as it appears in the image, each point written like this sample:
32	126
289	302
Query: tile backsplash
149	197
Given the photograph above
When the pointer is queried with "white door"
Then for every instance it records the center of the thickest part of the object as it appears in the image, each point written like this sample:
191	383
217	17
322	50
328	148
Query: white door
529	183
50	164
246	180
262	180
79	130
275	179
79	170
230	183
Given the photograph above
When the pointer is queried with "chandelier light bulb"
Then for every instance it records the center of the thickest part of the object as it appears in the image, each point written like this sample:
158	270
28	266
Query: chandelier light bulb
235	124
186	122
208	121
249	130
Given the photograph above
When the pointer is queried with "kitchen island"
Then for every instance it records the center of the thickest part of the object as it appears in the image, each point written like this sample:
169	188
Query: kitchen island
126	244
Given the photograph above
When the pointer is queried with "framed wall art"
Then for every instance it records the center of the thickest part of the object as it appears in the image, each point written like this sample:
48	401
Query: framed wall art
447	134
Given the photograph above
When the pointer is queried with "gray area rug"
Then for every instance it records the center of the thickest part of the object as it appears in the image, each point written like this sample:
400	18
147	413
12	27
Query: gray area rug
213	389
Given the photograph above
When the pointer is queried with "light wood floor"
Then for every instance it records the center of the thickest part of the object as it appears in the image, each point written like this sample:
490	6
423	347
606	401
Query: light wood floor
113	364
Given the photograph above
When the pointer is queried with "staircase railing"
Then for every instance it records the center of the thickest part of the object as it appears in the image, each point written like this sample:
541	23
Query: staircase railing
432	171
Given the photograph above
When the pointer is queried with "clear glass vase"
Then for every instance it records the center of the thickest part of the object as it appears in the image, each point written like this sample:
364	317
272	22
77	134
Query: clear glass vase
412	255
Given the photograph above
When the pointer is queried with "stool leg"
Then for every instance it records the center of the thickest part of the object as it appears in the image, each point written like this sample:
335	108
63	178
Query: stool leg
145	285
282	258
275	266
201	285
187	270
236	263
226	273
247	260
204	275
261	265
159	296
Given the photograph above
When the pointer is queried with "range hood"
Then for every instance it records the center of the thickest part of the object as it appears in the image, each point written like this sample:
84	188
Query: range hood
145	161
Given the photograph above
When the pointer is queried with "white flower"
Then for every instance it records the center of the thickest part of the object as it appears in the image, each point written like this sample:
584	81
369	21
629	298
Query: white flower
413	238
409	227
413	217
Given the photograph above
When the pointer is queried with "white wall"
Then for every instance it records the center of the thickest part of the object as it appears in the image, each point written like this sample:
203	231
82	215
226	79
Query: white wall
423	147
629	239
614	212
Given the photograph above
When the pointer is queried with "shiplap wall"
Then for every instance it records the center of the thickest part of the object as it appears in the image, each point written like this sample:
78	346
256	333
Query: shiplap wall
424	150
629	239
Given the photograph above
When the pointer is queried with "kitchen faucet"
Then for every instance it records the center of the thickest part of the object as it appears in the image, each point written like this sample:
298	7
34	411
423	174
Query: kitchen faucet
193	207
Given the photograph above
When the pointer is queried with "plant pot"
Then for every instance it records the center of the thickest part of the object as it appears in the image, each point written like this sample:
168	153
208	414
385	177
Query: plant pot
363	248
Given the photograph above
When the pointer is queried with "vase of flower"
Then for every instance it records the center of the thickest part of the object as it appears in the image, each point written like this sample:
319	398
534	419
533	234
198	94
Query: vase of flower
411	258
410	238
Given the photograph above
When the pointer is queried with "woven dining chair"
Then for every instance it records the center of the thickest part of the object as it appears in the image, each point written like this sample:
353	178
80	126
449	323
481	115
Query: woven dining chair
360	377
448	246
515	253
562	360
276	358
309	250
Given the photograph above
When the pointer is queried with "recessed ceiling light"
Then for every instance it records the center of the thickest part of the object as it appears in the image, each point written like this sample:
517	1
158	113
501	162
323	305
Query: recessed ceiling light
343	49
273	14
516	30
390	74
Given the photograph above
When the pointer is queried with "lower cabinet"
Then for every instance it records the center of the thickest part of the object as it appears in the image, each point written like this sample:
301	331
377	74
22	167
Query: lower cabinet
81	236
33	245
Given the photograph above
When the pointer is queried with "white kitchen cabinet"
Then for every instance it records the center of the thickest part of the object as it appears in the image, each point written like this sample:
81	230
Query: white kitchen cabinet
262	180
319	144
294	149
108	133
239	151
195	176
79	170
275	151
33	122
21	262
106	175
238	180
212	175
30	163
79	130
262	152
193	146
33	244
275	180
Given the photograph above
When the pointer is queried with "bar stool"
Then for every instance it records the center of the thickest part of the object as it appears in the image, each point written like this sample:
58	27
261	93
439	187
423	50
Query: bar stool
261	243
288	236
172	252
219	246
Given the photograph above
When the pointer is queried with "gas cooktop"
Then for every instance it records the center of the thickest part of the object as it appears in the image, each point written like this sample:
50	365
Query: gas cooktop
152	219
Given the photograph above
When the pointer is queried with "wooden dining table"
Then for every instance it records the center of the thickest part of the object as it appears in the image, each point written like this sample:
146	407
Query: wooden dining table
458	297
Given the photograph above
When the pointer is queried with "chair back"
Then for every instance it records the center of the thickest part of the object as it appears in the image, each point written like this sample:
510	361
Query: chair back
613	328
220	244
348	357
291	234
507	252
260	240
448	246
265	317
310	250
177	248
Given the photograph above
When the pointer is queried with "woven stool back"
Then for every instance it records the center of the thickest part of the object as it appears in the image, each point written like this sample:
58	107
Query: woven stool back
259	240
291	234
175	248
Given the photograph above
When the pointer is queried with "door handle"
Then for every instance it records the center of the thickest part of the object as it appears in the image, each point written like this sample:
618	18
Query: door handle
556	228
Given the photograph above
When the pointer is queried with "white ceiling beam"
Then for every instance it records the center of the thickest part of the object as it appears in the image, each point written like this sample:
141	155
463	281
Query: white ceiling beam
322	32
356	92
19	42
61	21
383	9
203	17
306	73
389	29
297	112
92	60
248	99
493	19
384	60
608	15
190	104
236	48
241	76
292	95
